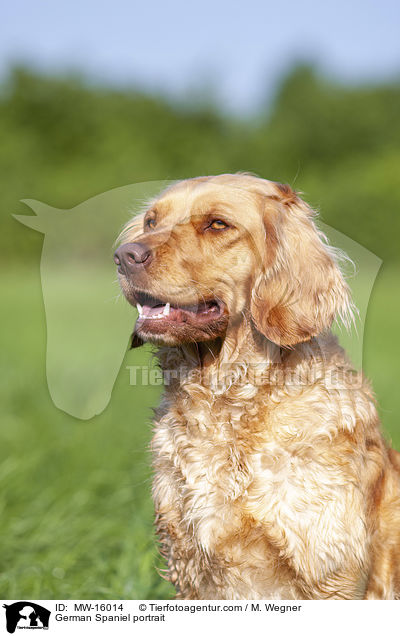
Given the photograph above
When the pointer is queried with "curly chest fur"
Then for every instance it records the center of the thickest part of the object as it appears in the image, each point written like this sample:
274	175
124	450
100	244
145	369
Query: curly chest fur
242	501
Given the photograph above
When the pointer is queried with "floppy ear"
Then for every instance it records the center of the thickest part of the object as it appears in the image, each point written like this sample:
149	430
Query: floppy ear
299	293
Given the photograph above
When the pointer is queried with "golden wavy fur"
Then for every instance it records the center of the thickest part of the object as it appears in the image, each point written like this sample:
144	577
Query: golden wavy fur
271	475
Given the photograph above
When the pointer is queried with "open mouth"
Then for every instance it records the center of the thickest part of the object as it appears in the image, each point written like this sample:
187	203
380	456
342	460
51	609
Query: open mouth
153	309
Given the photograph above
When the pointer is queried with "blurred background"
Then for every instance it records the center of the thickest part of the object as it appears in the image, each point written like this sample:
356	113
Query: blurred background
95	96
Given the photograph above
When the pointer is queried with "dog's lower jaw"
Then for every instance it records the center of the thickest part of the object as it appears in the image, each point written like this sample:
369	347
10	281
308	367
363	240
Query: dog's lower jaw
258	497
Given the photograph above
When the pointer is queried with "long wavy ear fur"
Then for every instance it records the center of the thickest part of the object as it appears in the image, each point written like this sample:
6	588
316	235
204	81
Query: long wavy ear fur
299	294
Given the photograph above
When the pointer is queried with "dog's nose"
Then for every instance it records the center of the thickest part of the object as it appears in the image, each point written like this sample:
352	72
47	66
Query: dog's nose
130	256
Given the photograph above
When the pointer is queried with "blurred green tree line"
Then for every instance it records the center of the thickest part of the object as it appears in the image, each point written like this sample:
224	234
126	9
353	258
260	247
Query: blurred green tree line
64	140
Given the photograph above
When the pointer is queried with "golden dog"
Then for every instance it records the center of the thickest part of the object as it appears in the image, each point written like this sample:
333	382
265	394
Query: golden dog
271	475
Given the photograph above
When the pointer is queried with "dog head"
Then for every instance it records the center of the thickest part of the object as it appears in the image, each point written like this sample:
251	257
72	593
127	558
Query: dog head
211	252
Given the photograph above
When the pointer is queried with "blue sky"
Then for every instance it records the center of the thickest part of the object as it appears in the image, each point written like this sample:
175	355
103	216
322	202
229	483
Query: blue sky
239	48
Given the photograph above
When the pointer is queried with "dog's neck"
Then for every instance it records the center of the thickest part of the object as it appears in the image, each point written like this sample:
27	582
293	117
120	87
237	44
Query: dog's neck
242	354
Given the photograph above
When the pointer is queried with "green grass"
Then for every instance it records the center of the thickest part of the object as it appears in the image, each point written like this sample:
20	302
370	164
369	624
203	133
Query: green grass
77	517
382	349
75	495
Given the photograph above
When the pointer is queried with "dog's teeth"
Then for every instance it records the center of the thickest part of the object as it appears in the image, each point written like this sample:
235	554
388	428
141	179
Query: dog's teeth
139	308
166	309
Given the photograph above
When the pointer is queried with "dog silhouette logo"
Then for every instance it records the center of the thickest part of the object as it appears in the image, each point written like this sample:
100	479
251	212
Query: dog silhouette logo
88	324
26	615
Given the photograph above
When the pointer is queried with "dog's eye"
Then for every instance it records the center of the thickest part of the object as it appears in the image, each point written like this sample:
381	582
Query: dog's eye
217	224
150	223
